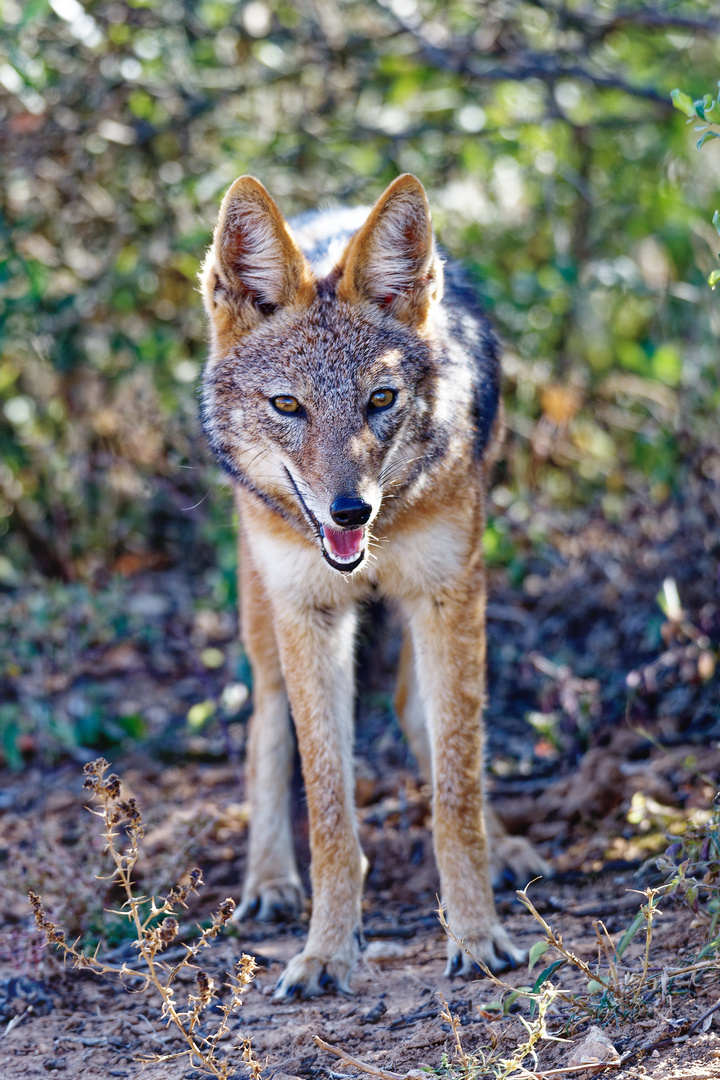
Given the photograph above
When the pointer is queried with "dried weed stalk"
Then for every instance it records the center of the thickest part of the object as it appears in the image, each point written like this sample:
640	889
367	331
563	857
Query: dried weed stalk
155	926
488	1063
692	863
617	988
481	1064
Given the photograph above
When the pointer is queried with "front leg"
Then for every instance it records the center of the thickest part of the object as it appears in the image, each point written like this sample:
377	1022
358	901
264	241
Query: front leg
316	649
272	888
448	632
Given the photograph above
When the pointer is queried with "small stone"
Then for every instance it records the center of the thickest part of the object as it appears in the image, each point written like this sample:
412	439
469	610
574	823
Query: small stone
374	1014
53	1064
595	1049
382	952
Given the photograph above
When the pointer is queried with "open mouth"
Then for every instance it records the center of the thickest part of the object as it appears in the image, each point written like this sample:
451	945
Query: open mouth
344	549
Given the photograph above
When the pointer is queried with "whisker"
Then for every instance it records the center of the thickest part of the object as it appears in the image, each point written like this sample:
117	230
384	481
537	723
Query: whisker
258	457
394	466
403	461
184	509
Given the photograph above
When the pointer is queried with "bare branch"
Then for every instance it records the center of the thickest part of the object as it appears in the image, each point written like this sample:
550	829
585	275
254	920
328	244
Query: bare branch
461	58
383	1074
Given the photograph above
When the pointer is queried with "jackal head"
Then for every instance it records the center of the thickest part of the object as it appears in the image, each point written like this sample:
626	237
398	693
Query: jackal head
318	389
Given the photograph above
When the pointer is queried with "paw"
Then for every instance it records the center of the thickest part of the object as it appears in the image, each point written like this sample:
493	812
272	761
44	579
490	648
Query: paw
307	975
271	901
494	949
514	862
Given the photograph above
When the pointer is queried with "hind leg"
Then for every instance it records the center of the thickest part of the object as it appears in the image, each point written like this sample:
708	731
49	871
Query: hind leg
272	888
513	860
410	710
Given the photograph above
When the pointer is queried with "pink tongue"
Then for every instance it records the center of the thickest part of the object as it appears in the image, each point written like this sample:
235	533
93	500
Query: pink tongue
344	541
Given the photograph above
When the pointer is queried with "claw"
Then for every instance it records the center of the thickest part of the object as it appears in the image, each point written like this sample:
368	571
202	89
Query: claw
295	990
455	966
271	901
327	982
506	960
273	913
507	879
250	909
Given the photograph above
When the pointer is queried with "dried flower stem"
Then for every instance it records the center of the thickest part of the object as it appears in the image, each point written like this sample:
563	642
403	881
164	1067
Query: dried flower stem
152	936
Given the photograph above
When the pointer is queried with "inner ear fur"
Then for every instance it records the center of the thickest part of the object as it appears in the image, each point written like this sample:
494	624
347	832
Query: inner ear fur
391	261
254	266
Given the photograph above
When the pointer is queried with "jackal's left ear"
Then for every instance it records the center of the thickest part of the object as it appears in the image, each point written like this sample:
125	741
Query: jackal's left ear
255	265
391	260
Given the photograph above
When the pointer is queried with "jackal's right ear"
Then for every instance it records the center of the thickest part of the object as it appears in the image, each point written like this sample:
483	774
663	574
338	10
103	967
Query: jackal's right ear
254	266
391	261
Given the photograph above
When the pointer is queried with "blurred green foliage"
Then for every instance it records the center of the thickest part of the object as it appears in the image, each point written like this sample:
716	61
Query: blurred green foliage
41	637
707	111
554	163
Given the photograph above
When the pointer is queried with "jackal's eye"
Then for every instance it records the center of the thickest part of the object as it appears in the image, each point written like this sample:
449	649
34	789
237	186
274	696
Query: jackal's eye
285	404
381	399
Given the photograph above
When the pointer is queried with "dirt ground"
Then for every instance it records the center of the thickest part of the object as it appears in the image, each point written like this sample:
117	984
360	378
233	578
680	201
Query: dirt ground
604	735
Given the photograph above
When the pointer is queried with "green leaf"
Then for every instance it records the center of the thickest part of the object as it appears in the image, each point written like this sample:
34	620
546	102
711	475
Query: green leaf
200	713
629	934
667	365
594	986
536	951
543	977
133	724
714	279
716	221
709	949
511	998
683	102
31	10
705	137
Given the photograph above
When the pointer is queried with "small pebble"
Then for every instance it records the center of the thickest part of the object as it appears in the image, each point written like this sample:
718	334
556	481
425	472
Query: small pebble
374	1014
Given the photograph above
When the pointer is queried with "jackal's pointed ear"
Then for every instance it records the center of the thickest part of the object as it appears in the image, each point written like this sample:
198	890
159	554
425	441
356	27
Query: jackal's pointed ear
254	266
391	260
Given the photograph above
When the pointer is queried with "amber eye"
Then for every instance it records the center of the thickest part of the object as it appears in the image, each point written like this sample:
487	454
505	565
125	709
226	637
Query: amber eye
382	399
286	404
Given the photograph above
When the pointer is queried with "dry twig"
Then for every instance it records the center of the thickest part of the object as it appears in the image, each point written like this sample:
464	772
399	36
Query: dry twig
155	926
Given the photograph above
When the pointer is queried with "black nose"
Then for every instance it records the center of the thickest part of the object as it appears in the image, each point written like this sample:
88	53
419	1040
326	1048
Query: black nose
350	513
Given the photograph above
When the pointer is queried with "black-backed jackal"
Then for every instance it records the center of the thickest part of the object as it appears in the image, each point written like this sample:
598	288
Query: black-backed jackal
352	393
